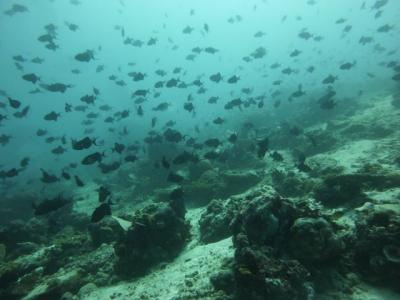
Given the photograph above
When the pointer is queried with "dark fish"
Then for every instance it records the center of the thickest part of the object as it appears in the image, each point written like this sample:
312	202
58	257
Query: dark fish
50	205
216	77
172	83
188	106
233	79
140	111
65	175
16	8
22	113
262	147
131	158
88	99
85	56
211	155
118	148
172	135
31	77
396	77
329	79
218	121
234	103
4	139
233	138
276	156
51	116
161	107
347	66
301	165
107	168
140	93
92	158
41	132
48	178
78	181
165	163
210	50
84	143
100	212
58	150
24	162
187	30
14	103
56	87
175	177
295	53
213	100
185	157
213	142
71	26
103	194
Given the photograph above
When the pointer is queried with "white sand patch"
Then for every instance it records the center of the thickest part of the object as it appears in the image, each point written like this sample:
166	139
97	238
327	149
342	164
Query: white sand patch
187	274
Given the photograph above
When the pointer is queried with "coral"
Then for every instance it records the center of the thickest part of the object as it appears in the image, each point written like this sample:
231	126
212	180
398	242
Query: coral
377	246
108	230
313	240
158	233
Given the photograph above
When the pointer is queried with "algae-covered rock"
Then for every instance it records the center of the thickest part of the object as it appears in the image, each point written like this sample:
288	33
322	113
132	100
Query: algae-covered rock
314	240
108	230
158	233
214	184
377	245
347	189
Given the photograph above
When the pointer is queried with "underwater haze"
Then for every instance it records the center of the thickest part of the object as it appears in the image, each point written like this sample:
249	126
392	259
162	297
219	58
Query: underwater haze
199	149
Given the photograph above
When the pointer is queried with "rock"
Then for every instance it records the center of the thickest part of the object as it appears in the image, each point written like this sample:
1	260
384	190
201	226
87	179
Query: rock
86	290
213	184
377	247
108	230
224	280
157	234
313	240
347	189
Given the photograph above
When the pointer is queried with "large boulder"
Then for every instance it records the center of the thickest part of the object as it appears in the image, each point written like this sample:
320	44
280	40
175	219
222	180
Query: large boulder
157	234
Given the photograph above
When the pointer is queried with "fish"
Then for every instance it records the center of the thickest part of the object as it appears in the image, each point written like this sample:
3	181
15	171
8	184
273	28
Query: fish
210	50
185	157
165	163
139	111
85	56
233	79
22	113
47	177
211	155
56	87
131	158
161	107
107	168
329	79
50	205
187	30
262	147
396	77
216	77
88	99
71	26
173	136
212	142
172	83
175	177
385	28
295	53
213	100
276	156
14	103
41	132
301	165
218	121
52	116
104	209
16	8
24	162
234	103
31	77
188	106
347	66
103	194
93	158
9	174
118	148
65	175
78	181
233	138
58	150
